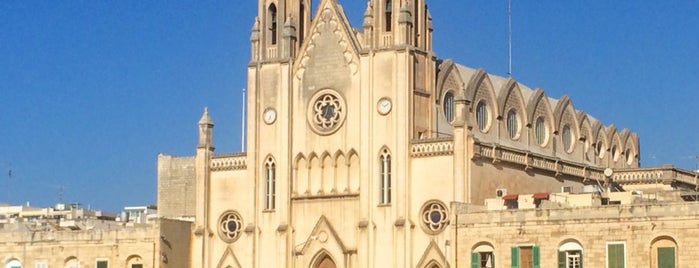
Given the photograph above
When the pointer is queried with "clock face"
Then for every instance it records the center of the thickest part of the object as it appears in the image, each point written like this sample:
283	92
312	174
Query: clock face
384	106
269	116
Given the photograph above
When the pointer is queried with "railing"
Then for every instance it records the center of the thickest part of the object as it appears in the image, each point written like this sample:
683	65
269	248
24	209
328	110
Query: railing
229	162
432	147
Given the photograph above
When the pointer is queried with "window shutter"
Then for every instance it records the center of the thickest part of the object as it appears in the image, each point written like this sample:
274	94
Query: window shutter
515	257
561	259
535	257
666	257
475	260
581	259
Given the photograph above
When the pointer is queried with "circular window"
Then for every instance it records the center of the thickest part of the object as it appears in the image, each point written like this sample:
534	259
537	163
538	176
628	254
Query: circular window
448	106
326	112
541	131
434	217
482	116
513	124
230	225
567	137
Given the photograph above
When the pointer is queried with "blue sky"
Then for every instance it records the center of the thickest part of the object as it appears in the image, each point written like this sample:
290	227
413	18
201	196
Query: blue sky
92	91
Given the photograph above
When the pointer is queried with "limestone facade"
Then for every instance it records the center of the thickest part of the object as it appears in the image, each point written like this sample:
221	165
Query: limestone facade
365	150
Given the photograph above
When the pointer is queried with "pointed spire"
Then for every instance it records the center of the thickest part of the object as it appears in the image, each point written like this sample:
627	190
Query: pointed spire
368	15
405	14
289	28
205	118
255	35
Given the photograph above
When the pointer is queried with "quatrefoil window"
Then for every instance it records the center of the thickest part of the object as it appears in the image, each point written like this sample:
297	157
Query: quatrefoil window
326	112
230	225
434	217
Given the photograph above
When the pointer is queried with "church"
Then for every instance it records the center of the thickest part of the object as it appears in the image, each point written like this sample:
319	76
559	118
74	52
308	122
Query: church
366	150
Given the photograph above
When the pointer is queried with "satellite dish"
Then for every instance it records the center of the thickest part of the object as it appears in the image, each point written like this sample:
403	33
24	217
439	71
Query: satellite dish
608	172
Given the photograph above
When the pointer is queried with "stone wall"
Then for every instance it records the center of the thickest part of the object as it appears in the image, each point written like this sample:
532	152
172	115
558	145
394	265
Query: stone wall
174	243
135	245
176	196
638	226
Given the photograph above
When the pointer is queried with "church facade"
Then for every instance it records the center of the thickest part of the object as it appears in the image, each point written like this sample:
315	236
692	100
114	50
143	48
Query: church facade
366	150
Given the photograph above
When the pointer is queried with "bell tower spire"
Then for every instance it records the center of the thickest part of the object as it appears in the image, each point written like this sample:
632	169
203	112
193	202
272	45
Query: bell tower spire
279	29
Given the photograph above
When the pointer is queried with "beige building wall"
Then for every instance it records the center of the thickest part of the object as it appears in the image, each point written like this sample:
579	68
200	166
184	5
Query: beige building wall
642	228
120	248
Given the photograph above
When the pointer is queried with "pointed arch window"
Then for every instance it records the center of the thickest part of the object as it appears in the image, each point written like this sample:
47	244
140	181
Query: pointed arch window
567	138
302	22
513	124
385	162
448	106
541	131
389	15
482	116
272	14
270	183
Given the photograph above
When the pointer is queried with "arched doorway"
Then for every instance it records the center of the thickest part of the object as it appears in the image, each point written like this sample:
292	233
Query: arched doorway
326	262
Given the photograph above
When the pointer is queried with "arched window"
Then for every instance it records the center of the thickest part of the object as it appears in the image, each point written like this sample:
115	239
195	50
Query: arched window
13	263
72	263
270	182
389	15
615	153
513	124
629	156
448	106
663	252
302	22
570	255
482	256
482	115
600	149
541	131
385	162
567	138
272	13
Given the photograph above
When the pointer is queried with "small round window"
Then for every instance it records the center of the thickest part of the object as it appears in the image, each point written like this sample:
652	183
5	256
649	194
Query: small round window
482	116
230	225
541	131
448	106
513	124
434	217
567	138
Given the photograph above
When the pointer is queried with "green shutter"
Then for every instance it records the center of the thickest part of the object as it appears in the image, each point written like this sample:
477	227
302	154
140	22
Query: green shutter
535	257
475	260
515	257
666	257
615	257
101	264
561	259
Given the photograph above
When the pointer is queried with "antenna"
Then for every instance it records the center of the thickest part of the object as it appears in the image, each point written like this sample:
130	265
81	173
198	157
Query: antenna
509	36
242	125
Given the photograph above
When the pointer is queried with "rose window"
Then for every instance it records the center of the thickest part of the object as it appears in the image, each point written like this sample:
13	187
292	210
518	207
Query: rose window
326	112
434	217
230	226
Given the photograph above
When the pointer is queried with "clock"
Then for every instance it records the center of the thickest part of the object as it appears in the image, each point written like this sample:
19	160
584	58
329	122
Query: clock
269	116
384	106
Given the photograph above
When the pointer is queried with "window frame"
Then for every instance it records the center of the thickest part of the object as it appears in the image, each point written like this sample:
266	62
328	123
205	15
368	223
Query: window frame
482	115
541	131
513	118
606	250
448	106
385	177
567	138
270	183
98	261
